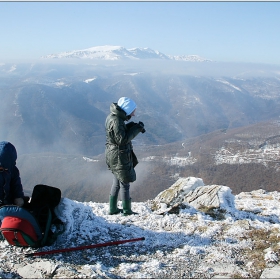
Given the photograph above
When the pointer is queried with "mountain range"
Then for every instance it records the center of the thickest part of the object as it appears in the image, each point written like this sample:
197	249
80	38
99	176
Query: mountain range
121	53
62	107
54	113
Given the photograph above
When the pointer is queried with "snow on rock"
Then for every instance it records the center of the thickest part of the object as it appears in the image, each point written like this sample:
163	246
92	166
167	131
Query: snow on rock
175	195
211	197
271	256
37	269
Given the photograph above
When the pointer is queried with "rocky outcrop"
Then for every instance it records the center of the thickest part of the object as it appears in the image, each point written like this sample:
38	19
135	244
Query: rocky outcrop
191	192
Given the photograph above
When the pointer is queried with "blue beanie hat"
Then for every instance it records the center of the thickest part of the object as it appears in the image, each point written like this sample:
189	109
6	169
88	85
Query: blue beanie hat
127	104
8	154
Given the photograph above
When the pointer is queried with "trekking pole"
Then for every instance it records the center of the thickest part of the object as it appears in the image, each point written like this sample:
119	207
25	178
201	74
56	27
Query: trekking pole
111	243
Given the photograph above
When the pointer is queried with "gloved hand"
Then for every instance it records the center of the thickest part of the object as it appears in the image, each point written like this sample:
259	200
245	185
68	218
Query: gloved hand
19	201
130	125
142	126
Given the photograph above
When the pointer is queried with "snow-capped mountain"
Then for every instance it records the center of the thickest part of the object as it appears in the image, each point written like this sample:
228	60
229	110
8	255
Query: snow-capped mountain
189	58
120	53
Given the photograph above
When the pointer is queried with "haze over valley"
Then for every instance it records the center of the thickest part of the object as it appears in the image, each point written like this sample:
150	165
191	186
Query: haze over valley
196	113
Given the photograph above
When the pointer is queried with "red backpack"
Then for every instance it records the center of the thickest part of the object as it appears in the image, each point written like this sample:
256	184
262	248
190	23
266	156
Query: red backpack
19	227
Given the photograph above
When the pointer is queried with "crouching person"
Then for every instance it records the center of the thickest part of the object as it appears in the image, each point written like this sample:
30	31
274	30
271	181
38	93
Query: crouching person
120	157
11	191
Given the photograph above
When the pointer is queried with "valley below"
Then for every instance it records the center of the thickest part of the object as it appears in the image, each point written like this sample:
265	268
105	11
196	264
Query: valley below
245	159
203	119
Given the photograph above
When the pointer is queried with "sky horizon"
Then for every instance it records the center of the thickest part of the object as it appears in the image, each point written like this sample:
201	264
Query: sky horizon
221	31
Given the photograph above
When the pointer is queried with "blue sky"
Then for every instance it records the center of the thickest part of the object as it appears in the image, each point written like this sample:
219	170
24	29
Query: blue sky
221	31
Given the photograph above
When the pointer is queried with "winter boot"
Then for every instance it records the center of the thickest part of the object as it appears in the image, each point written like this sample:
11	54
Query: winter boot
113	209
127	208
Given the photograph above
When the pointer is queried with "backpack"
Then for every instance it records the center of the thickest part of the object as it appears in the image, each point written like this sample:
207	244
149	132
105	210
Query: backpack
32	224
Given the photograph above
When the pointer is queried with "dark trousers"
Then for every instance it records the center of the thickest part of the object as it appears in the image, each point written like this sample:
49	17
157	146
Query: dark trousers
120	186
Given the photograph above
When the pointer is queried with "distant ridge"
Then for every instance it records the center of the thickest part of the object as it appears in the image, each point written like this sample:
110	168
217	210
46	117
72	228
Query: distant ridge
108	52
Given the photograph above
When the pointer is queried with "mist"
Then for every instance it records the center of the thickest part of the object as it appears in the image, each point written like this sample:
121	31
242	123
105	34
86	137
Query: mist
214	69
78	178
208	69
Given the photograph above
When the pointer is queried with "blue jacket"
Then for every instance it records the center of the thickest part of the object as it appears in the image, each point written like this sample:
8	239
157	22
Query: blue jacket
10	182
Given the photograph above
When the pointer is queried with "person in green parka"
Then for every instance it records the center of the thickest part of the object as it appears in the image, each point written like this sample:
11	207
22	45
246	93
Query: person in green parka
119	154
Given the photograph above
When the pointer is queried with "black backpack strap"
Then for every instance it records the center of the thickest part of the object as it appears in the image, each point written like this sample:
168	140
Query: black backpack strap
47	228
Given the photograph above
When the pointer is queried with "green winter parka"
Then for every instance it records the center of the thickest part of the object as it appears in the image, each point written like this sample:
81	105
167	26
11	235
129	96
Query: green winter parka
119	154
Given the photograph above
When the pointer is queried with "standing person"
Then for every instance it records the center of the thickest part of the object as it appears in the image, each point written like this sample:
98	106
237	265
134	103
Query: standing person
120	157
11	191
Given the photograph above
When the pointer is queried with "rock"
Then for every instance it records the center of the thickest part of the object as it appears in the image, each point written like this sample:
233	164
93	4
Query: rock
66	273
227	270
204	196
270	273
243	224
42	269
211	197
175	195
224	268
86	270
213	200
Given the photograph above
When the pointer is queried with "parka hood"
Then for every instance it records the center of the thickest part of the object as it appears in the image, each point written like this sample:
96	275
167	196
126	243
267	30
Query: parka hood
8	155
115	109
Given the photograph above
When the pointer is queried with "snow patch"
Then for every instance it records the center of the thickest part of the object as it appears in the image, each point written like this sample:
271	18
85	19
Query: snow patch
179	161
90	80
229	84
90	159
263	155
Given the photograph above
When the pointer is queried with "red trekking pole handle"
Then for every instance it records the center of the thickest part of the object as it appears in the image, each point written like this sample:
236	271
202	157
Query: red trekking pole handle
83	247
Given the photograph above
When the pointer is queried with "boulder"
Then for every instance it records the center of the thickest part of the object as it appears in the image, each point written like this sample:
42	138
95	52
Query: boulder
177	192
191	192
37	270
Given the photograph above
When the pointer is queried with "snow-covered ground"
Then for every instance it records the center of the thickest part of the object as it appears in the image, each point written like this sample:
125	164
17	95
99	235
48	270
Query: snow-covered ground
190	244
